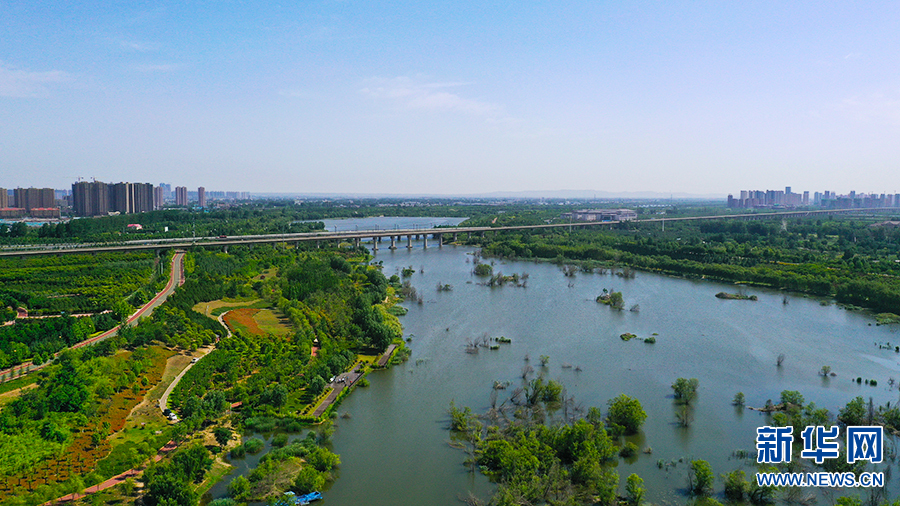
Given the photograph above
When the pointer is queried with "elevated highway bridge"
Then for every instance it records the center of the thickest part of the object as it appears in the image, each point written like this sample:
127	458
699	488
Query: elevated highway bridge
395	236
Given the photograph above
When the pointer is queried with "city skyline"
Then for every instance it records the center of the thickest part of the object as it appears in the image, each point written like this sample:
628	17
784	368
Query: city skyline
457	98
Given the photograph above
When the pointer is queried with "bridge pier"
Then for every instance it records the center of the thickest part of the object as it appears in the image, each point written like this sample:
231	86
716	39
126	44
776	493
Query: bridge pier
356	241
375	243
225	248
393	243
440	238
425	241
455	236
409	242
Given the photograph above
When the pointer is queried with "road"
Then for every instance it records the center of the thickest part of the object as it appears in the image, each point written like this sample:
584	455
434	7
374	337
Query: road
176	279
187	242
164	400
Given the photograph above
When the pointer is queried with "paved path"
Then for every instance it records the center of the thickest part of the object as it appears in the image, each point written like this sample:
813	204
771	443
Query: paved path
383	360
176	278
164	400
341	381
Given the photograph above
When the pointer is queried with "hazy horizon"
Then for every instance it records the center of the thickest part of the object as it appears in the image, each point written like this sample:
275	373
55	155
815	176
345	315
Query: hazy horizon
452	98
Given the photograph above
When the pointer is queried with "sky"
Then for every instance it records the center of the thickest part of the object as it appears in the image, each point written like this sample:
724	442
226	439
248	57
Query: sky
452	97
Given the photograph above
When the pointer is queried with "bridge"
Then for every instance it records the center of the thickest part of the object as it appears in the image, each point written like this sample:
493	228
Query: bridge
396	236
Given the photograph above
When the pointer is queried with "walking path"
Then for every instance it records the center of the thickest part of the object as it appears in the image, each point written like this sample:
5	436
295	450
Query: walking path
176	278
164	400
383	360
347	380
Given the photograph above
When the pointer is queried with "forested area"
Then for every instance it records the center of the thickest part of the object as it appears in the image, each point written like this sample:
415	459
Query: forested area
50	285
333	300
852	261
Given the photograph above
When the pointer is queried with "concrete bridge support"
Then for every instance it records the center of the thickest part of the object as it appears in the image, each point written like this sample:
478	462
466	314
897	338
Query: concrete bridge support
356	241
440	238
425	241
393	242
375	243
455	237
409	242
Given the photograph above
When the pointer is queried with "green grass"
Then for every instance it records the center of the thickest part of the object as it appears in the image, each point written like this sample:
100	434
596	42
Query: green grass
224	309
20	382
270	323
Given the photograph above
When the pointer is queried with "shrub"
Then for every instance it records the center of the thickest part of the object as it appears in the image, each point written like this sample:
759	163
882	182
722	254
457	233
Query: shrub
254	445
629	450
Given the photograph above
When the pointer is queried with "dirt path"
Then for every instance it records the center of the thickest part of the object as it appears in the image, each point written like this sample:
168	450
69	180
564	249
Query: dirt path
12	394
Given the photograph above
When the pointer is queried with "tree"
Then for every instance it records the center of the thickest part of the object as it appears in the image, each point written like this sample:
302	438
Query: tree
239	488
739	399
627	413
316	385
222	434
700	478
634	490
736	485
308	480
854	413
685	389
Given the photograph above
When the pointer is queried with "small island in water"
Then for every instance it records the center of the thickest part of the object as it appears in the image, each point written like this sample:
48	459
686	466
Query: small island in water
735	296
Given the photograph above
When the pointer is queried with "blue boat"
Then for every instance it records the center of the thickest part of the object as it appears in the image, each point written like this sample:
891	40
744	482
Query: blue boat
292	499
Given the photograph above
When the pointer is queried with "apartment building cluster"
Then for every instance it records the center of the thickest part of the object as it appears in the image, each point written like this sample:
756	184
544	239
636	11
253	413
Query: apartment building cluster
28	202
756	199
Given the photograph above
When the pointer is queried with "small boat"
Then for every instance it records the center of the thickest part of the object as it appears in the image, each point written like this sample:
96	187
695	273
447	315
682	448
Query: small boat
292	499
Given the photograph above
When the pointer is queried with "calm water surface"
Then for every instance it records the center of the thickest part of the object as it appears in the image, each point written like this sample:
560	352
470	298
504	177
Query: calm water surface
395	451
388	223
394	447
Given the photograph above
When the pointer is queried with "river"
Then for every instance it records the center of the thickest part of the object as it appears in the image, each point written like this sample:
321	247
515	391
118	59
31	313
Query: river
394	446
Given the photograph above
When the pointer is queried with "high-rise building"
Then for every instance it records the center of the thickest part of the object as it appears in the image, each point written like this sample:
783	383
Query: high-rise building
131	198
159	197
34	198
4	198
181	197
201	197
90	198
167	191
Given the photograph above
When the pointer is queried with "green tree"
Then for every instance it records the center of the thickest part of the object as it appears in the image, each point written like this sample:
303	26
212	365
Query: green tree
854	413
239	488
736	485
222	434
685	389
627	413
316	385
700	478
308	480
634	490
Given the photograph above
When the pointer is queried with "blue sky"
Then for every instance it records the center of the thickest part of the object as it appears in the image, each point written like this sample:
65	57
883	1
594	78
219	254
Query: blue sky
452	97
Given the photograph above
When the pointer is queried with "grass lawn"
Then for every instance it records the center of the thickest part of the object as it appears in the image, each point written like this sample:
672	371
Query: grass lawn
210	308
271	322
18	383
